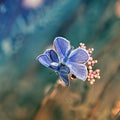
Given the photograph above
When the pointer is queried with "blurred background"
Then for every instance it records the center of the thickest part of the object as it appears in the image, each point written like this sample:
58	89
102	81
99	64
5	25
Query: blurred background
28	90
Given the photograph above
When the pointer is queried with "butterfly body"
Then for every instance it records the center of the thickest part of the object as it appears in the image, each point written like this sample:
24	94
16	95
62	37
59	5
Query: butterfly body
65	59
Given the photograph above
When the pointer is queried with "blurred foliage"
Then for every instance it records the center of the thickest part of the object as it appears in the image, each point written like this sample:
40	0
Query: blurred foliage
26	86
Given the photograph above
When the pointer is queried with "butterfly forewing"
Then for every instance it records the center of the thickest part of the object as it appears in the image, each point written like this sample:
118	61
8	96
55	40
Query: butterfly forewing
61	46
78	56
53	55
44	60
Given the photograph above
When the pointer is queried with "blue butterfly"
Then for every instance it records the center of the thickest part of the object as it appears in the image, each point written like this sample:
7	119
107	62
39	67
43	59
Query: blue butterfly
64	60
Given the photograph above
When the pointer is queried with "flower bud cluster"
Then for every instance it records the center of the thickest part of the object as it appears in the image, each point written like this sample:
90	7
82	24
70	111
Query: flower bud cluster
92	74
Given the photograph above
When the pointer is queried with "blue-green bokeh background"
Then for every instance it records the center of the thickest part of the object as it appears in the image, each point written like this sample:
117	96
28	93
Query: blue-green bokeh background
27	32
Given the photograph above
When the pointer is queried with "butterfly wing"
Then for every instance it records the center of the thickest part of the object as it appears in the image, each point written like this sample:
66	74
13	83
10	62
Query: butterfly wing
49	59
44	60
61	46
78	55
52	55
64	74
79	70
65	78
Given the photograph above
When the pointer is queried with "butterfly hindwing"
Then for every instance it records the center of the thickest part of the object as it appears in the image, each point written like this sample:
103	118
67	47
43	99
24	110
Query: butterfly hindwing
64	74
65	78
79	70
